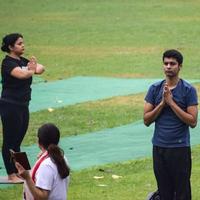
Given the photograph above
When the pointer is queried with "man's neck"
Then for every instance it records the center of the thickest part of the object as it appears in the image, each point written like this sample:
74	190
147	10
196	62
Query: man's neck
172	81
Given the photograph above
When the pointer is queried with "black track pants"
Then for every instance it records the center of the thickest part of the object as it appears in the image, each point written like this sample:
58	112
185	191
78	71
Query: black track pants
15	119
172	169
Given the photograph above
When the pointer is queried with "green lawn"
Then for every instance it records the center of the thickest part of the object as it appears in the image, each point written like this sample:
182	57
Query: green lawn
104	38
135	183
90	116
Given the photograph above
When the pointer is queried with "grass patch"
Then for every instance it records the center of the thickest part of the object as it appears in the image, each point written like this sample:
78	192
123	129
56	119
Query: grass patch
105	38
89	116
136	182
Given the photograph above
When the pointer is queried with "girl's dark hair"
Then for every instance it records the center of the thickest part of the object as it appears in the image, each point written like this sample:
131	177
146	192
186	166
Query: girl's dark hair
48	137
172	53
9	40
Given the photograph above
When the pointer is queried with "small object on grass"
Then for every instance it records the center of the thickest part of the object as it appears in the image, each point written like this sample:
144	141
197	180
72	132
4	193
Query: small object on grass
50	109
106	170
102	185
98	177
114	176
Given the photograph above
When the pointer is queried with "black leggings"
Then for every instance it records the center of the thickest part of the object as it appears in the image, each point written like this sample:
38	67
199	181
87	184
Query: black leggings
172	168
15	119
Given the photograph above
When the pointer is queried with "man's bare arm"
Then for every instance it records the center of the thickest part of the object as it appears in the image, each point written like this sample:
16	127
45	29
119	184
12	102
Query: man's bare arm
151	112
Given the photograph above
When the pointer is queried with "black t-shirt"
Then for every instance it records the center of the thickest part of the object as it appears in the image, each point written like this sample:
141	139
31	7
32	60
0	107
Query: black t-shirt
13	88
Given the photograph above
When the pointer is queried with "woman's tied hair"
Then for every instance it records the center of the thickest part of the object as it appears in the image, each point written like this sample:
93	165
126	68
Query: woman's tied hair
9	40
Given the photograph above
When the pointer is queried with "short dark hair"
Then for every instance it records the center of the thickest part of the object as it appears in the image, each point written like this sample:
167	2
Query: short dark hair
172	53
9	40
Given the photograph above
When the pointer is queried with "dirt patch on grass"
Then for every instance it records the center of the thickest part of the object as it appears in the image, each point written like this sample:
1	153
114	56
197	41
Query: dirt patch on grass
96	51
131	100
130	75
184	19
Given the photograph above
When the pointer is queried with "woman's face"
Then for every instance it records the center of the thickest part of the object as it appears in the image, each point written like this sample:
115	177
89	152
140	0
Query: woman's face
18	47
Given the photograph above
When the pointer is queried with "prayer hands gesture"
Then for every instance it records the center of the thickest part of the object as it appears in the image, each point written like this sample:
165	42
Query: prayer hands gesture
32	65
167	95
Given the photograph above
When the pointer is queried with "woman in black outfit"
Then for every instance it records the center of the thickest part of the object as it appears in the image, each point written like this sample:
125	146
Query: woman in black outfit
16	72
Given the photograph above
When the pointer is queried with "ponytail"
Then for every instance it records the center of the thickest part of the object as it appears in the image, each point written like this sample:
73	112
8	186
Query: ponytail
57	156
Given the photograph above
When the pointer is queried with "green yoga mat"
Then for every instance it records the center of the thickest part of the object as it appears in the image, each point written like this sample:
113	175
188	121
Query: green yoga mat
117	144
82	89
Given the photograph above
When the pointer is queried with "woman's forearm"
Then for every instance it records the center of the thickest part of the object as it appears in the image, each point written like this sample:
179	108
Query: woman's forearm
39	69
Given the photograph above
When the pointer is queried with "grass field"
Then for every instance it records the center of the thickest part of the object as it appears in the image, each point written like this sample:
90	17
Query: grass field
105	38
135	183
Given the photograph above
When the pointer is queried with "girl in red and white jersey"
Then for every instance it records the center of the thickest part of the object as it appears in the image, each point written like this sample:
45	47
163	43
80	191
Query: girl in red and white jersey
49	177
